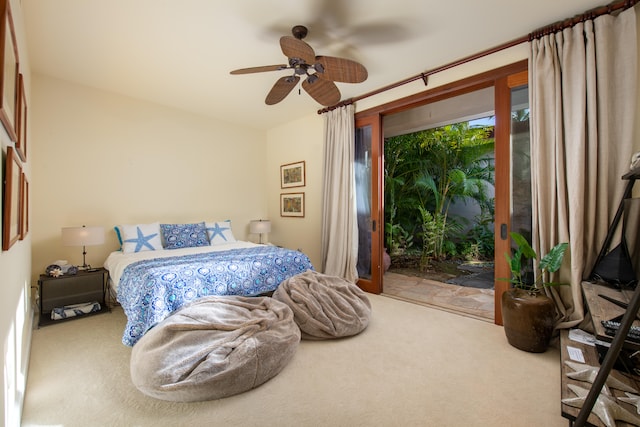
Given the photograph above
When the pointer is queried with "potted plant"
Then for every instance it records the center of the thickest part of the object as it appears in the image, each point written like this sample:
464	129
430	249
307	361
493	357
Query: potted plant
528	314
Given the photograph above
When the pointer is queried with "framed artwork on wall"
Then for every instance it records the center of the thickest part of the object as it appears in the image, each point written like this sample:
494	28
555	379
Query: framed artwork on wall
8	71
292	204
21	120
11	220
292	175
24	213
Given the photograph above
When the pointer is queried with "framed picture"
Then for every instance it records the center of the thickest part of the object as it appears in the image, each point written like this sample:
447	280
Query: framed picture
24	214
21	120
292	204
8	71
11	221
292	175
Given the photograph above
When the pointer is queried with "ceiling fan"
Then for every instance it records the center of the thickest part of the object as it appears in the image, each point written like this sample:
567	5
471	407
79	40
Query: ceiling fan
319	72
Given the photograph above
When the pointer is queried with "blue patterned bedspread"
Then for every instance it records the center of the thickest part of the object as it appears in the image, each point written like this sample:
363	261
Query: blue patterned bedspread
150	290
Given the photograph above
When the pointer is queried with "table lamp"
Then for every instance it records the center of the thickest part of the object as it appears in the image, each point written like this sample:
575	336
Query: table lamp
260	226
83	236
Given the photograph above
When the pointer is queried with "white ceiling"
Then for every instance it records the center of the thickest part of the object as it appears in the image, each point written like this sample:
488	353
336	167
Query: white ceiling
180	52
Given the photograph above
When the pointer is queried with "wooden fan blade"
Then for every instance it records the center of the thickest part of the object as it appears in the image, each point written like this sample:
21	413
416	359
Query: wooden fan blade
260	69
281	89
341	70
295	48
325	92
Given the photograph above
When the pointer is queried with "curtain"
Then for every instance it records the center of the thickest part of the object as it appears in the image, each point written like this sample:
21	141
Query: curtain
339	224
583	92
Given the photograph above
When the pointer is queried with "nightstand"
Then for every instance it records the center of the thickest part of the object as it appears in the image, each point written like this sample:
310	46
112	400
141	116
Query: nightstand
84	287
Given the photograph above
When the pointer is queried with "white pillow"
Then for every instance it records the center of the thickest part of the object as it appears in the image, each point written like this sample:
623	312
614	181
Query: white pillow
220	232
141	237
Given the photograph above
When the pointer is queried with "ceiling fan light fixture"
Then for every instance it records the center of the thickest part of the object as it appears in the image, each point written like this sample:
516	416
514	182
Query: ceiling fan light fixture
321	71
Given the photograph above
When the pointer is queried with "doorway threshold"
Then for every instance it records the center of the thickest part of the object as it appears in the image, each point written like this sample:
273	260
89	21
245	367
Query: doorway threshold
466	301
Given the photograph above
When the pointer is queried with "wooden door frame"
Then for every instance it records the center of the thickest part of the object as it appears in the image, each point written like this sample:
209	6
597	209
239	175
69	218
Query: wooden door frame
502	220
503	79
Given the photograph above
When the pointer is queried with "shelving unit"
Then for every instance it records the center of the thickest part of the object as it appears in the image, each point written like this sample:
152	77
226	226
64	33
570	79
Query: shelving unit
600	309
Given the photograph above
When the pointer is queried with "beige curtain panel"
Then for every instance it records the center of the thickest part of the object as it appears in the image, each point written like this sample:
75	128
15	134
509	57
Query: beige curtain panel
339	225
583	92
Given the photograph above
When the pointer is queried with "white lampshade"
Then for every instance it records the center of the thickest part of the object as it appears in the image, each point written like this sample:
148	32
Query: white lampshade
260	226
82	236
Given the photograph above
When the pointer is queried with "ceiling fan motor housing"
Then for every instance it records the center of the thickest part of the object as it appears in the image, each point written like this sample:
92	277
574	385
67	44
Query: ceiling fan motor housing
299	32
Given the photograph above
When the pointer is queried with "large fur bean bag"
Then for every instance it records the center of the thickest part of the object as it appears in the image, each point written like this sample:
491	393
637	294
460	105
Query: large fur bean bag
215	347
325	306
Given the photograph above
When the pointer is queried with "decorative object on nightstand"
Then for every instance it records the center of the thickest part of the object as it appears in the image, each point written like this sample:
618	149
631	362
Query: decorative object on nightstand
260	226
54	270
83	236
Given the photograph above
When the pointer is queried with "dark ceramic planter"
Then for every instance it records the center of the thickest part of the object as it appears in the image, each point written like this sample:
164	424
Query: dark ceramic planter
528	320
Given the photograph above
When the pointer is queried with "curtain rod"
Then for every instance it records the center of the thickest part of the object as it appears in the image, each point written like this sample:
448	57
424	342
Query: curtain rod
549	29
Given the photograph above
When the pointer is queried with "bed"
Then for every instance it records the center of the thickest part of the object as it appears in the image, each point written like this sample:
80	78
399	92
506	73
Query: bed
152	284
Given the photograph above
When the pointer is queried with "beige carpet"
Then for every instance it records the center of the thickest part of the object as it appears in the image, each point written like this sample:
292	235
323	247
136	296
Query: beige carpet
413	366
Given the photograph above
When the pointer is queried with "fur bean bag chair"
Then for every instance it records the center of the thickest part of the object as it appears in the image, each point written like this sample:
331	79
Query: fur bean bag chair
215	347
325	307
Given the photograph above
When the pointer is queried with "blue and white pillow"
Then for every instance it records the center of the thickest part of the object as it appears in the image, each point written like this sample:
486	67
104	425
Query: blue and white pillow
118	234
140	237
220	232
178	236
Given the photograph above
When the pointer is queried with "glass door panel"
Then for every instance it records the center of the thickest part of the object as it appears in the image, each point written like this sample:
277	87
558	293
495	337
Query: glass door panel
367	161
520	162
362	170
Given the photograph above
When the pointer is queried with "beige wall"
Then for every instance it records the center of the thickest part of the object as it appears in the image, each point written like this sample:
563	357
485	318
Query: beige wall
490	62
15	272
105	159
300	140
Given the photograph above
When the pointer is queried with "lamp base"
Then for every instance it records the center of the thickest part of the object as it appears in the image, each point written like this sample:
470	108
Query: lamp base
84	266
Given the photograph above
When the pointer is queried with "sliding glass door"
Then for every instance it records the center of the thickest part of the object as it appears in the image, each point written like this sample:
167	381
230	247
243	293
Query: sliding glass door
512	201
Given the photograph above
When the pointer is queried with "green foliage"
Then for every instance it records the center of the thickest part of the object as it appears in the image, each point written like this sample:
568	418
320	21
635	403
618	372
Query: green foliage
432	232
477	242
549	263
398	239
425	172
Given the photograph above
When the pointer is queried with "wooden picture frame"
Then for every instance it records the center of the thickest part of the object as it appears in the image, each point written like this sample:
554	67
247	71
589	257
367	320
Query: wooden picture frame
292	204
24	213
293	175
8	71
11	220
21	120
